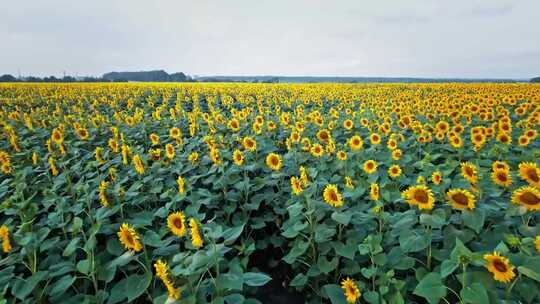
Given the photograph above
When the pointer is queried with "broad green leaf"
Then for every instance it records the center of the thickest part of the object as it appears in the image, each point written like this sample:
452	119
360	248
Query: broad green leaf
431	288
256	278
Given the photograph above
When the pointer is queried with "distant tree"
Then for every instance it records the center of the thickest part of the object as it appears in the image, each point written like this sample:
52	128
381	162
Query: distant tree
536	79
7	78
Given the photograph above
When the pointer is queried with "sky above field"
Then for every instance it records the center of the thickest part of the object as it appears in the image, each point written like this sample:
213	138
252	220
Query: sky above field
464	38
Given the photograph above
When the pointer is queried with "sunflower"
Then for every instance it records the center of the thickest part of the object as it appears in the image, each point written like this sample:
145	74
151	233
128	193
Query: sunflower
273	161
469	172
82	133
370	166
129	238
193	157
196	237
456	142
504	138
528	197
323	135
296	185
234	125
113	144
356	143
394	171
317	150
304	176
103	193
137	162
162	270
374	191
396	154
500	267
537	243
350	290
391	144
500	165
249	144
501	177
4	235
177	223
169	151
348	182
181	185
461	199
57	136
375	139
530	173
348	124
342	155
332	196
215	156
420	180
419	195
523	141
154	138
238	157
436	177
174	133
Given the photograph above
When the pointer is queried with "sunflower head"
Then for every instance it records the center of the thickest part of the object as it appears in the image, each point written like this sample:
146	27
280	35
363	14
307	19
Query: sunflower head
296	185
394	171
501	177
317	150
436	177
530	173
177	223
528	197
421	196
273	161
461	199
129	238
332	196
374	191
356	143
350	290
370	166
469	172
500	165
238	157
500	267
342	155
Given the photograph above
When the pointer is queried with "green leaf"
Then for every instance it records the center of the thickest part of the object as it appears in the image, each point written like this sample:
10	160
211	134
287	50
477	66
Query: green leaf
335	293
410	241
256	278
448	267
22	288
71	247
136	285
531	273
475	294
431	288
234	298
62	285
474	219
299	280
83	266
341	217
231	234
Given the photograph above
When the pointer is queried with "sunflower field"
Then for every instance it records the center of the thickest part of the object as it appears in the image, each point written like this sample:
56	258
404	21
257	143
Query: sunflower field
269	193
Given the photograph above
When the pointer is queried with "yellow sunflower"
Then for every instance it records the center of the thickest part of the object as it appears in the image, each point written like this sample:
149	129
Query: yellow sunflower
394	171
501	177
317	150
356	143
461	199
396	154
500	165
370	166
374	191
249	144
530	173
350	290
196	236
348	124
154	138
469	172
273	161
177	223
238	157
332	196
528	197
296	185
421	196
82	133
436	177
129	238
537	243
169	151
500	267
4	235
375	139
342	155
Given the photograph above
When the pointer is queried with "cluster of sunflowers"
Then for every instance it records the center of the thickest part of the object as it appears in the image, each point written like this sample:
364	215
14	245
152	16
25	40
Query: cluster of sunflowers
240	193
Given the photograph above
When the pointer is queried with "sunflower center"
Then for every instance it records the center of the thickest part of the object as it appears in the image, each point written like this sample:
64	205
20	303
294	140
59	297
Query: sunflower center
421	196
529	199
500	266
274	161
333	196
531	173
177	223
460	199
502	177
129	239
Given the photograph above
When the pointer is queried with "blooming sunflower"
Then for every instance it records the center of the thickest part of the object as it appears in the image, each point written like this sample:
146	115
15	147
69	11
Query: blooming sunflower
129	238
4	235
238	157
174	133
461	199
169	151
356	143
436	177
501	177
249	144
374	191
348	124
396	154
177	223
196	236
500	267
394	171
419	195
350	290
137	162
181	185
82	133
342	155
500	165
528	197
154	138
469	172
537	243
370	166
296	185
375	139
332	196
530	173
316	150
273	161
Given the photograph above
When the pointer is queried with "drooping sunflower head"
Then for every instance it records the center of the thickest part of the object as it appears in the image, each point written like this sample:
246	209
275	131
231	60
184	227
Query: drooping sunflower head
530	172
469	172
528	197
332	196
461	199
273	161
129	238
500	267
501	177
394	171
350	290
177	223
419	195
370	166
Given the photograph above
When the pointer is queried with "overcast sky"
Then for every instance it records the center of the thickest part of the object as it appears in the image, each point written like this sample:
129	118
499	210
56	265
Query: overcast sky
464	38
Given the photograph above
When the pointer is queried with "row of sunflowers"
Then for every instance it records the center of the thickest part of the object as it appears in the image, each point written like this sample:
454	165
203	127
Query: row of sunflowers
269	193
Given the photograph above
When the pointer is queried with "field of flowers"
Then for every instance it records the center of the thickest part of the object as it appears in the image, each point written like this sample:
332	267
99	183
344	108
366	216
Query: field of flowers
269	193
